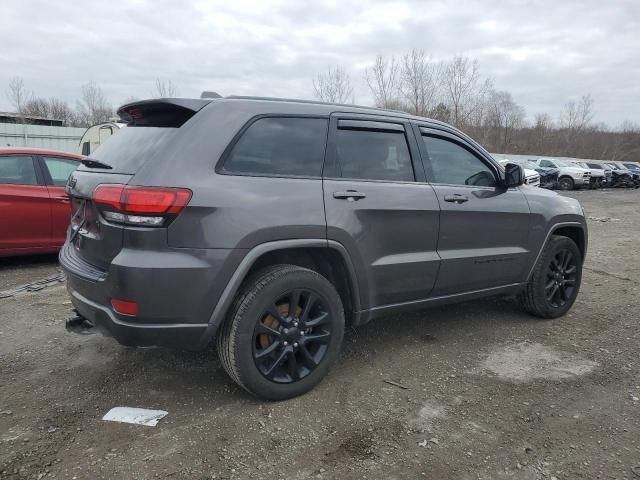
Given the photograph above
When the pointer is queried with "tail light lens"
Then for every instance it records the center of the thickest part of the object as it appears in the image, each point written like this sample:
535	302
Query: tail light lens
143	206
125	307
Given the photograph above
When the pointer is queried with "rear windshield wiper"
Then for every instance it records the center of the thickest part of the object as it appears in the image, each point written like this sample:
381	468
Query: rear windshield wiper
87	162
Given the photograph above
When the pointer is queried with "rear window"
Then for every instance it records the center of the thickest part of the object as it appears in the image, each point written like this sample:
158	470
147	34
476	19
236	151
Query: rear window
130	147
277	146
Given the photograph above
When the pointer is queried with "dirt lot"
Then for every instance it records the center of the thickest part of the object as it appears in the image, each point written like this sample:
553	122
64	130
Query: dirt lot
490	393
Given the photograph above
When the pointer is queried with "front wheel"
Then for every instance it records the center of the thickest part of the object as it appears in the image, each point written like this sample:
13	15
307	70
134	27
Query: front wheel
555	282
566	183
284	332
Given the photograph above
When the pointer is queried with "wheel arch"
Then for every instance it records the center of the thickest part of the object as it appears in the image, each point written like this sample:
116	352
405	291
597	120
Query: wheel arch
576	231
327	257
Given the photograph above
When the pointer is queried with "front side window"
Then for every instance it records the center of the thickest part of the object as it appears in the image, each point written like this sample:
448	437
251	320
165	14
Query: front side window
17	170
453	164
373	155
60	169
280	147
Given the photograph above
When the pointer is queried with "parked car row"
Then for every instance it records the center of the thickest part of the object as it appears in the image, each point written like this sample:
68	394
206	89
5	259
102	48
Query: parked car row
564	174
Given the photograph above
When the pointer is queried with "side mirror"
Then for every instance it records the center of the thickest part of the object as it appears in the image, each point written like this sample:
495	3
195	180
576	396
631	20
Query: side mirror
513	175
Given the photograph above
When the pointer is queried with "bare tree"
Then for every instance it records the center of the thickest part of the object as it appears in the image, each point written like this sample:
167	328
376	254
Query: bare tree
60	110
36	107
383	80
18	95
420	78
93	106
165	89
577	116
540	133
333	86
504	118
464	89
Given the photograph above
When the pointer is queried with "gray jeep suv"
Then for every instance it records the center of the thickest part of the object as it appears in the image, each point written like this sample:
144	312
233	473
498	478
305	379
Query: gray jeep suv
266	225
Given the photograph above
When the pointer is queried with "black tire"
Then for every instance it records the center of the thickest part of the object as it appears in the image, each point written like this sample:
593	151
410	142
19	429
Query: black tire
535	297
566	183
245	346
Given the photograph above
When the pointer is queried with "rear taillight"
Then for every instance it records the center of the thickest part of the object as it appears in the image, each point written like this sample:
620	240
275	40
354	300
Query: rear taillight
143	206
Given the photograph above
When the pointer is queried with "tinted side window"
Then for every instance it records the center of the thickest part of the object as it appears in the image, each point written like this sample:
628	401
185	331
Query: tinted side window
60	169
18	170
547	164
373	155
280	146
454	165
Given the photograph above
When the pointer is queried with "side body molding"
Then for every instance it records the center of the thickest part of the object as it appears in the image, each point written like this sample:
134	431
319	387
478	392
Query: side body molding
229	293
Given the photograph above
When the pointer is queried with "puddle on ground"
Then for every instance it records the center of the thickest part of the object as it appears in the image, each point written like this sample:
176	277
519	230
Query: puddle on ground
524	362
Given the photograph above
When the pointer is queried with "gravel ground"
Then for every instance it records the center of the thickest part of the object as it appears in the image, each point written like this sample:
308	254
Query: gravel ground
486	391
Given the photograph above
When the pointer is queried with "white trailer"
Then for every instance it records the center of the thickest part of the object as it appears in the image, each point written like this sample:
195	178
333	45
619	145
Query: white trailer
96	135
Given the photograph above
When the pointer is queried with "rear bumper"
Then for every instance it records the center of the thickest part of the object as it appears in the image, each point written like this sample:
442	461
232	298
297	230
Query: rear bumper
184	336
176	291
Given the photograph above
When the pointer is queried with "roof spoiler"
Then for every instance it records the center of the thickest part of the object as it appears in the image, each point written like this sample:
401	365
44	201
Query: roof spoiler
161	112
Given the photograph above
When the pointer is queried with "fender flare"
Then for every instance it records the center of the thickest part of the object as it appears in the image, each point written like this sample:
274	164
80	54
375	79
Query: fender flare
228	295
553	228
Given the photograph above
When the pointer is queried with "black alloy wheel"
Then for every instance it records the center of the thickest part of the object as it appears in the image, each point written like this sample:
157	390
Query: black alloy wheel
555	280
291	337
561	278
283	332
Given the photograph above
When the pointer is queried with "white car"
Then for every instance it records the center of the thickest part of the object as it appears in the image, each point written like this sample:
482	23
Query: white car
570	176
531	177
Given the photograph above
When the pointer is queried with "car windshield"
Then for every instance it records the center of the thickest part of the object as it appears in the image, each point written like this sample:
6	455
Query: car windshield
562	163
631	165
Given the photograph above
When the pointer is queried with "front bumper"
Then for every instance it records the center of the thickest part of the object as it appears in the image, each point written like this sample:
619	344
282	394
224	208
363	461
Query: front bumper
581	181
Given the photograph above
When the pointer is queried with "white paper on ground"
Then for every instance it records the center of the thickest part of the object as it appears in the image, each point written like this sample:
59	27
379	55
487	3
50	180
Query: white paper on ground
137	416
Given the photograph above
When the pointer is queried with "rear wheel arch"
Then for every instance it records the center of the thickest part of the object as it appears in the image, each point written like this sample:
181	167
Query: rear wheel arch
331	262
328	258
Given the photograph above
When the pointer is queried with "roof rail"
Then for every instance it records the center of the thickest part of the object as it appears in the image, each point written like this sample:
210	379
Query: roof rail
313	102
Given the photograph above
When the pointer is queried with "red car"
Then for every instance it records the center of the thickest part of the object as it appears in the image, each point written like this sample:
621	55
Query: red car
34	209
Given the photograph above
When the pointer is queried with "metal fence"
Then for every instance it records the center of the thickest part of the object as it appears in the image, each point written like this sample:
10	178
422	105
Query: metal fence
65	139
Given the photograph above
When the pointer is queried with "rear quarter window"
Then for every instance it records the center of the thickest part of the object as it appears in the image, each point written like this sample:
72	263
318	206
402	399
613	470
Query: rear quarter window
280	146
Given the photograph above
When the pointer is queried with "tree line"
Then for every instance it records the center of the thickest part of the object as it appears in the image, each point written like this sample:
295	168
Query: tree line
455	92
92	106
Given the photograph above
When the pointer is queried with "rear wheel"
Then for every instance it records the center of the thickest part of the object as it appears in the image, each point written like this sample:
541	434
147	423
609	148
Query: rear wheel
566	183
284	332
555	282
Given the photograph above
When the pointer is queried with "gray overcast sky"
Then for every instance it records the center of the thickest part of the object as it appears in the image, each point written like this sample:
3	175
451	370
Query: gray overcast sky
544	52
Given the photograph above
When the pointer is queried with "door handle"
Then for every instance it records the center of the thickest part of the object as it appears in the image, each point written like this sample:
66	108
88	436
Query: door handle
62	199
350	195
456	198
